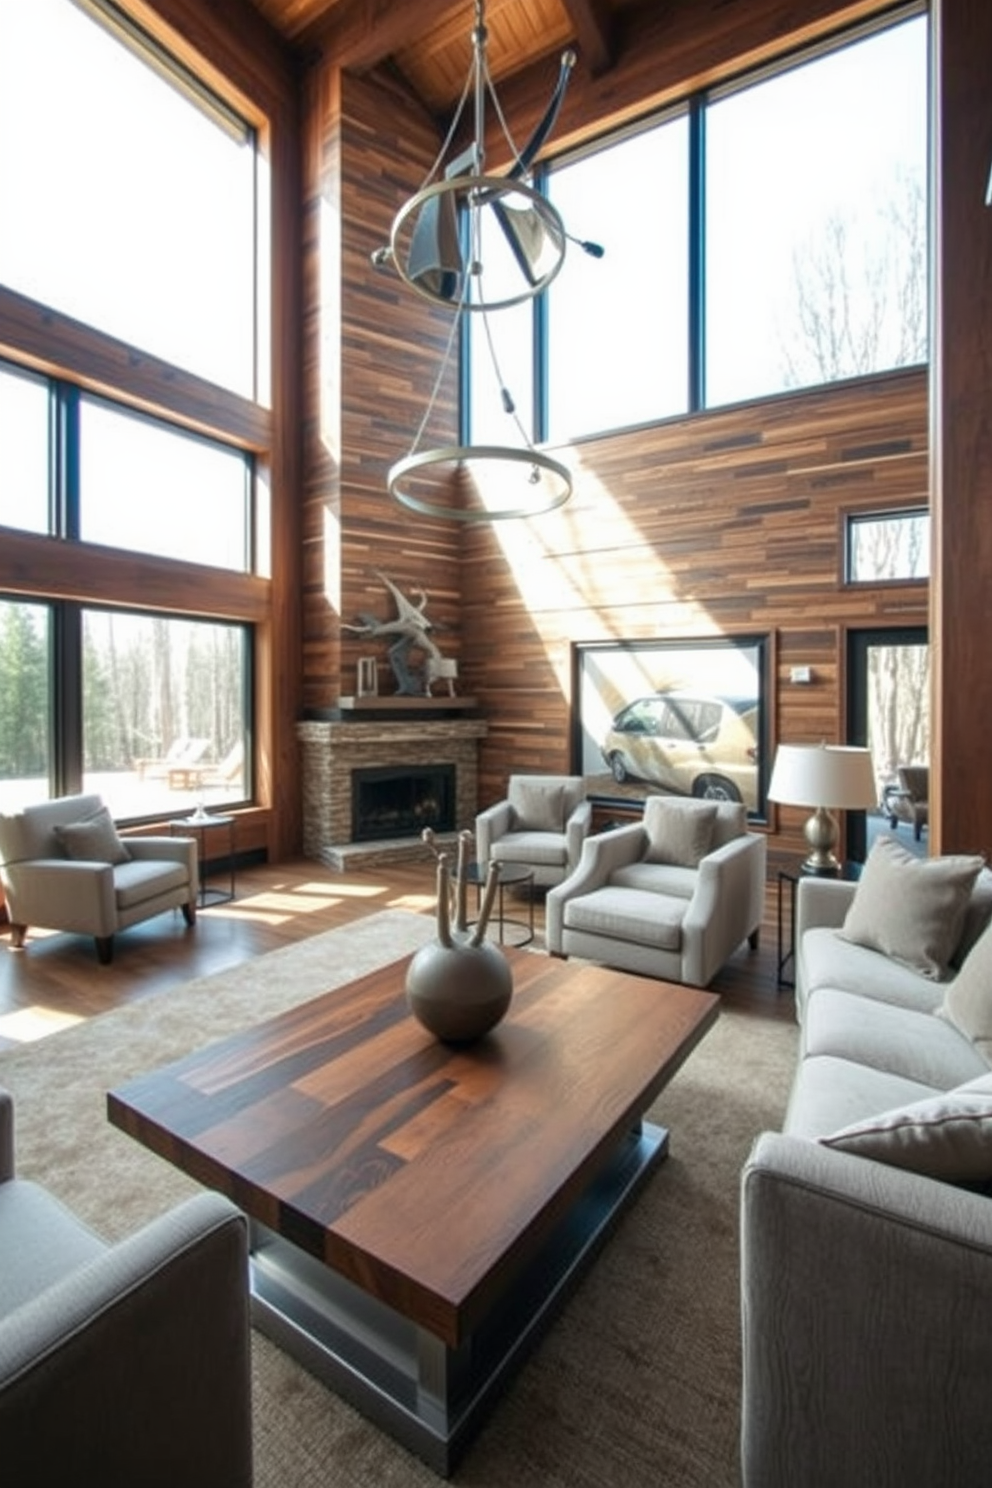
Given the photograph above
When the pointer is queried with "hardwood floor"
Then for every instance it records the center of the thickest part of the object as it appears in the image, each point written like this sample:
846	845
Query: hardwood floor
56	980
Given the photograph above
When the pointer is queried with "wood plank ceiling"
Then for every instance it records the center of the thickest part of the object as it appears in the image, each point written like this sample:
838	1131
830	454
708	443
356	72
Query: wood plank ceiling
428	42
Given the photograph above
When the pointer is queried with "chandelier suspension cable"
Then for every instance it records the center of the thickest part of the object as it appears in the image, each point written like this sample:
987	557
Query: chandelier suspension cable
442	370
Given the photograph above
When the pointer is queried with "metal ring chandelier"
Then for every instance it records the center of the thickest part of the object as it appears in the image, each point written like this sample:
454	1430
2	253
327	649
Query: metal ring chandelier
436	248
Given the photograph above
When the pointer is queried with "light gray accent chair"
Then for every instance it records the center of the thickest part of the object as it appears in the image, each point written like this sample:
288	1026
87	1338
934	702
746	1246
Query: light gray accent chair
125	1364
45	887
541	824
677	915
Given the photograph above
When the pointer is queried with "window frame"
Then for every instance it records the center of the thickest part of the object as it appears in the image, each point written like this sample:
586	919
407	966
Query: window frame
695	105
853	517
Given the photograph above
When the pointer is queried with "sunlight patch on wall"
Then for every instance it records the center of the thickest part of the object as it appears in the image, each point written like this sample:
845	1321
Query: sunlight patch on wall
564	567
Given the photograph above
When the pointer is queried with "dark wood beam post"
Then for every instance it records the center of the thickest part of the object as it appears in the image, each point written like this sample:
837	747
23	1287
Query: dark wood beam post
961	428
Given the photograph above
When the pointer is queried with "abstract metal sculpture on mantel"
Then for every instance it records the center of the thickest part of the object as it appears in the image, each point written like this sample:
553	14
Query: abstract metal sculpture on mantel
440	243
410	629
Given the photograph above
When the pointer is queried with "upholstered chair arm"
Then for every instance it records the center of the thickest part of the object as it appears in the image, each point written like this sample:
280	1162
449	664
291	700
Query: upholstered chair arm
6	1135
867	1322
822	902
577	830
62	894
601	856
726	907
166	850
135	1368
491	824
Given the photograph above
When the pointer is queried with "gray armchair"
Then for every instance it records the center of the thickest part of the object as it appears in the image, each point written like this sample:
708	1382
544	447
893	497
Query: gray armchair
122	1364
63	866
671	896
541	824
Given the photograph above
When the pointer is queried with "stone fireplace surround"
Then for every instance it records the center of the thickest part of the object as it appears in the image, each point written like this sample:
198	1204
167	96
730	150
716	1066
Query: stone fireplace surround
332	749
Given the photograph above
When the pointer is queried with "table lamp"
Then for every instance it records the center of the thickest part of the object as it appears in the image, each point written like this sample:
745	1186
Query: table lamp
827	777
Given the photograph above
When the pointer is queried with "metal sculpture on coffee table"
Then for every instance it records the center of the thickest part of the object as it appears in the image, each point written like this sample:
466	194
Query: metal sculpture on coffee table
459	986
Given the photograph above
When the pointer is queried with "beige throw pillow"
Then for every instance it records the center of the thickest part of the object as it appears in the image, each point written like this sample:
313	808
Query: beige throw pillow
911	909
968	999
679	831
93	840
946	1136
537	808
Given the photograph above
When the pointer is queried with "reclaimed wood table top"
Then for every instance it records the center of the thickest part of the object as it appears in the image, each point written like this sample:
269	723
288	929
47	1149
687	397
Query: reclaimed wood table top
426	1174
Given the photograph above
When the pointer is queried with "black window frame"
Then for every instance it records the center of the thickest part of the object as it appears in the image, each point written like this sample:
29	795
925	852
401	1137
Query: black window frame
696	105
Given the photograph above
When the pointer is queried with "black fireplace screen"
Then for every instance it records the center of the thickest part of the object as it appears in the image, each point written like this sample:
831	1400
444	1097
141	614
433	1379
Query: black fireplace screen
400	801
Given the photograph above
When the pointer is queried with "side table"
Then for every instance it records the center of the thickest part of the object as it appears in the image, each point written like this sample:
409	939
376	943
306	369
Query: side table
787	931
198	827
510	875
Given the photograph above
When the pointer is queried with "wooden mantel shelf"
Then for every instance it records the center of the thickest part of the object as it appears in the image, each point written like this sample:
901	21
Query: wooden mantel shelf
403	704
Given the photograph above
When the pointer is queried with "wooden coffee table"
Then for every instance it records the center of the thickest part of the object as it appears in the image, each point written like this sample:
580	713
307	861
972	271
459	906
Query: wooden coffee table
417	1210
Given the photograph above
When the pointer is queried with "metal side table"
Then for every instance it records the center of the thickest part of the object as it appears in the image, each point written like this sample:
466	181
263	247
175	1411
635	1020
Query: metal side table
198	827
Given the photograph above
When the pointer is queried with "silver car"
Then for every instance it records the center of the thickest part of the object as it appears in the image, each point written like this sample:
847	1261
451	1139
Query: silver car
696	746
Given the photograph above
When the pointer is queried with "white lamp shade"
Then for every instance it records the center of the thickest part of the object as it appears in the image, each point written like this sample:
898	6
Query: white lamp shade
836	776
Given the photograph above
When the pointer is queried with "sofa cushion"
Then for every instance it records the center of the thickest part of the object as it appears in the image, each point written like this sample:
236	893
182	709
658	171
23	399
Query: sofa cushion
730	822
829	1093
911	909
946	1136
968	998
901	1041
92	840
679	831
828	960
977	916
537	807
628	914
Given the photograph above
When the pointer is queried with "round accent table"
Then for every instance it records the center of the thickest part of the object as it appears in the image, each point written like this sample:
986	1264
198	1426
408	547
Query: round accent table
198	827
511	875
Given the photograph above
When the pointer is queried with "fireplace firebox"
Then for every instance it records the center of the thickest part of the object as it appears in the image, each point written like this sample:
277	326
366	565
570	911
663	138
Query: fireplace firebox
400	801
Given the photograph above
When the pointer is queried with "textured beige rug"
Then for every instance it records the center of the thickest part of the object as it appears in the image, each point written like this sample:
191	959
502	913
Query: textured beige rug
636	1384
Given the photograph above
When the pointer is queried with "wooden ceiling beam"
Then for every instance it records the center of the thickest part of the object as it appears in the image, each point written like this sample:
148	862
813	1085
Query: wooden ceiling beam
595	33
361	34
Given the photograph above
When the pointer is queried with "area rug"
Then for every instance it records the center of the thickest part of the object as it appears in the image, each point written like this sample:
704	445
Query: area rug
637	1382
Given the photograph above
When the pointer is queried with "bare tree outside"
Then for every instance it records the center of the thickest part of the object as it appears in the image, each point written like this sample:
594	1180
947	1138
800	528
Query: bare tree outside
858	304
859	291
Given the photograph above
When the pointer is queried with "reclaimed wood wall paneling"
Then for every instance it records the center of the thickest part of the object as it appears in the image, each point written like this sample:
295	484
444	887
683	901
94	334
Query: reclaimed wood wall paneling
725	523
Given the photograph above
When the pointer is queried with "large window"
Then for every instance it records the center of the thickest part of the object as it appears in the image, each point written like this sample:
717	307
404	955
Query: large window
164	709
153	489
816	220
127	192
122	479
23	451
768	236
25	703
149	711
618	326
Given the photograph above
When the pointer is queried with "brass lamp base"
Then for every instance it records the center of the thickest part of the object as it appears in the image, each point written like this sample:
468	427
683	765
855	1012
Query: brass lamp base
821	833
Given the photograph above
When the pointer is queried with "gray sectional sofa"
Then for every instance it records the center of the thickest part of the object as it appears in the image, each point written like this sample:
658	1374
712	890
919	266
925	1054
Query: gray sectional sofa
867	1221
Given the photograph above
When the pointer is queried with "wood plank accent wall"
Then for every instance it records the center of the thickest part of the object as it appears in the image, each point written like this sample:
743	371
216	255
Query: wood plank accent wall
961	783
369	369
730	522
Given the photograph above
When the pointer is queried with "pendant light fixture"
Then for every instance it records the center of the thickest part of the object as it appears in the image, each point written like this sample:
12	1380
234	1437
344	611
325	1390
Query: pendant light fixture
439	244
